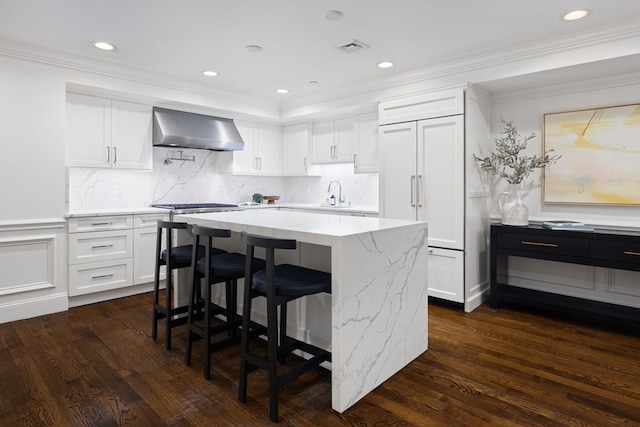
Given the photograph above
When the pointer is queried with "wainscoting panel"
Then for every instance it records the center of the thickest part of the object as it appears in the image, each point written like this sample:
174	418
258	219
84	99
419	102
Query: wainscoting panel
32	268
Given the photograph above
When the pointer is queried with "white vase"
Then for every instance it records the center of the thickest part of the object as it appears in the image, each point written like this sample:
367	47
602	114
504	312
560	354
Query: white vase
513	211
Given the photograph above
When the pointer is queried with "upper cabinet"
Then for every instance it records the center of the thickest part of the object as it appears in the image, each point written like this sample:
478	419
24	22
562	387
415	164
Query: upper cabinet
332	141
261	153
295	150
365	153
107	133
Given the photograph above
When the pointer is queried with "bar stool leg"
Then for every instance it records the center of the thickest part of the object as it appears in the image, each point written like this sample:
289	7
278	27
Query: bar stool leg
272	355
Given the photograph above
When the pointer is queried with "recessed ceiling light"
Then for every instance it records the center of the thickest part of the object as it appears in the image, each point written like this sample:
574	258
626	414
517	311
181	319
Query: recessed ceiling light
385	64
332	15
209	73
253	48
283	91
104	46
575	15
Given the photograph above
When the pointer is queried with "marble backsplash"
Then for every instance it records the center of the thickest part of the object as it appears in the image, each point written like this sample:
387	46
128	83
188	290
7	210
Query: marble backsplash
201	181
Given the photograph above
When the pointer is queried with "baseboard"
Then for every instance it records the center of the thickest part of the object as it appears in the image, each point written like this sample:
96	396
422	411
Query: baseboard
33	307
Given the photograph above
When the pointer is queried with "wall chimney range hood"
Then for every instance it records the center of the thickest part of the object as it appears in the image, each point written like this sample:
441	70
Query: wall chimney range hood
172	128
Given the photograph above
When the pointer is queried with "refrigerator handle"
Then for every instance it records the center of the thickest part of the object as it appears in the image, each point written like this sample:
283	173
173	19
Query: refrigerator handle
413	188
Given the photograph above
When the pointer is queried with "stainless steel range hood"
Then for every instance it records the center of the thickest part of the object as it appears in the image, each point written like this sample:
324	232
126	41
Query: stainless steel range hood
173	128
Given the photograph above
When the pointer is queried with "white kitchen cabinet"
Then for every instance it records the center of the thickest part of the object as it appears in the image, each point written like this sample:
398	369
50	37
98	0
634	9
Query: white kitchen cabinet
365	151
423	166
145	234
295	150
100	258
332	141
107	133
111	252
445	274
261	153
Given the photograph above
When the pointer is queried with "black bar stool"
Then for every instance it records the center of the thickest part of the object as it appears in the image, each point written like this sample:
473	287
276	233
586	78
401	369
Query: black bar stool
215	268
279	284
174	258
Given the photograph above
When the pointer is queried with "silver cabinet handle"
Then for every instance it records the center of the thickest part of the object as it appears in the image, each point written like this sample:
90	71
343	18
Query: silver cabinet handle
413	188
355	165
101	246
102	276
100	223
260	163
335	152
115	154
255	163
108	155
305	163
418	191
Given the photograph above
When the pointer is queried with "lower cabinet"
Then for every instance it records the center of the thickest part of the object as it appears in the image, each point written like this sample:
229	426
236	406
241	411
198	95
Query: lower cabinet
446	274
111	252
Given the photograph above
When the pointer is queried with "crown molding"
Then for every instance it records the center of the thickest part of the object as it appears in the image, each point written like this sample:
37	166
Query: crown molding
497	56
567	88
27	52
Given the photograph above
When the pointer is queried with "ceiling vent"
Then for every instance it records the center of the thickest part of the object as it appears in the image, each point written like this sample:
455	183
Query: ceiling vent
352	46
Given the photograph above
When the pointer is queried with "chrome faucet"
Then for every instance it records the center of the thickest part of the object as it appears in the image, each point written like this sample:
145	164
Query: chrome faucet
340	199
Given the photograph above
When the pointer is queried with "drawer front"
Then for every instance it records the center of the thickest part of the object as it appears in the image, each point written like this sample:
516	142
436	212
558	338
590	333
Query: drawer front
616	250
100	276
99	223
100	246
544	244
151	220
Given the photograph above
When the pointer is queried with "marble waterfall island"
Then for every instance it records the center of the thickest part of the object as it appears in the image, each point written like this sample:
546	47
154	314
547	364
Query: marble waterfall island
377	310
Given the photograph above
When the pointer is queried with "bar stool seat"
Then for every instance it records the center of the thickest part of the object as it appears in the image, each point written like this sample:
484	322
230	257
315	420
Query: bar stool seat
174	257
279	284
214	268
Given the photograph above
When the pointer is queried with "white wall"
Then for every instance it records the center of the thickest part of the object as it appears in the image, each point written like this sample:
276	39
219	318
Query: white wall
526	109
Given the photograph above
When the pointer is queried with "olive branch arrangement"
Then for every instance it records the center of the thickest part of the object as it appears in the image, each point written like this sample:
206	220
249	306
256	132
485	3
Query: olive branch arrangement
506	160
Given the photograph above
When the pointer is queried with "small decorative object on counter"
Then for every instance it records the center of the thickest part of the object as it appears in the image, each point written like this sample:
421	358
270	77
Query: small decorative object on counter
271	199
507	162
257	198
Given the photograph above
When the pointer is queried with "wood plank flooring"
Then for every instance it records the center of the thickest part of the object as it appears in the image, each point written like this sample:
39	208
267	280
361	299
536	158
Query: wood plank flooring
97	366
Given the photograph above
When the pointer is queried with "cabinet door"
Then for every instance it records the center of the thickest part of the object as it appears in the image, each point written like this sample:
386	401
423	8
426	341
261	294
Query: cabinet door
131	146
398	171
445	277
245	161
88	126
322	142
144	258
295	149
268	154
365	157
344	135
441	180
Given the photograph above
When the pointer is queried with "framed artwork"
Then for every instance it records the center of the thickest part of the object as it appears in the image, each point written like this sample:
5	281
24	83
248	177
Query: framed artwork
600	151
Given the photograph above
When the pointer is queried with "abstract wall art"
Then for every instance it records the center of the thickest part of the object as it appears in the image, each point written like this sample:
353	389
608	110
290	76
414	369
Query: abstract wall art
600	163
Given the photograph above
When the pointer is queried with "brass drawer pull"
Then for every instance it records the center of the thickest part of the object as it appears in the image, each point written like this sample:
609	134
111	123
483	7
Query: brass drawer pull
631	253
548	245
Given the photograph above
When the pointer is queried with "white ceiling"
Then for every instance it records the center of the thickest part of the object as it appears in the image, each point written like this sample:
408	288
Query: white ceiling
177	39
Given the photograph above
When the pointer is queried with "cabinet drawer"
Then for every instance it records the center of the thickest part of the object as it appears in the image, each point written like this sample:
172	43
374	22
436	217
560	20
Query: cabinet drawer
544	244
100	276
616	250
151	220
80	225
100	246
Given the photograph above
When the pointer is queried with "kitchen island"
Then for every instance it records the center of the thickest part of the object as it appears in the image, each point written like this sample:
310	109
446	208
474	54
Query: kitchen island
378	301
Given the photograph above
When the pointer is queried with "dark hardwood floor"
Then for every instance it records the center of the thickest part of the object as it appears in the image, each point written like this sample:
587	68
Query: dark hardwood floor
97	366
